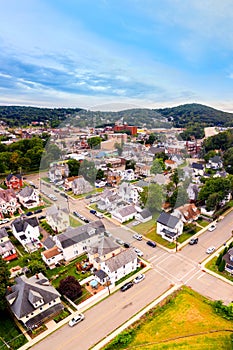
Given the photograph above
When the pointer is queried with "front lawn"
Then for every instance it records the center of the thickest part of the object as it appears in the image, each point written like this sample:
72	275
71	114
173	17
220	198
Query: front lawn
10	333
74	222
211	265
63	314
152	235
145	227
186	320
202	222
85	295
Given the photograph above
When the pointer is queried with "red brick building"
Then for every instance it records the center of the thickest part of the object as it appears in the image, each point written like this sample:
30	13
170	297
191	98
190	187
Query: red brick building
132	129
14	181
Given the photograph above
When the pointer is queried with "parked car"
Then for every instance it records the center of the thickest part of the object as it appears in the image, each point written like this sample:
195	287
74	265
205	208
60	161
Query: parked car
139	278
63	194
42	217
193	241
92	211
212	227
76	319
210	250
88	196
29	213
4	221
126	286
126	245
37	211
138	252
119	241
99	215
86	220
76	213
151	244
137	236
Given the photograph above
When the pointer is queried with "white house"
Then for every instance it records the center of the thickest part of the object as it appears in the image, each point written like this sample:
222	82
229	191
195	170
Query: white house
124	214
187	213
192	192
58	171
169	226
128	175
119	265
8	203
29	197
58	218
75	241
7	250
144	215
26	231
198	169
128	192
33	300
52	256
80	186
215	163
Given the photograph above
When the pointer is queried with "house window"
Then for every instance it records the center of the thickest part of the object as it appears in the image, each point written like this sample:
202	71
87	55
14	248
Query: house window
32	313
41	308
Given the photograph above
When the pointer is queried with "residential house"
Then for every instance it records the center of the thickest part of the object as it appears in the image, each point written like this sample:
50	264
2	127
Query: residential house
142	169
113	177
75	241
215	163
124	214
187	213
68	182
33	300
58	218
198	169
161	179
155	150
14	181
58	171
52	256
144	215
29	197
8	203
177	158
7	250
108	200
128	192
192	192
228	257
169	226
27	232
80	186
100	183
118	265
169	163
128	175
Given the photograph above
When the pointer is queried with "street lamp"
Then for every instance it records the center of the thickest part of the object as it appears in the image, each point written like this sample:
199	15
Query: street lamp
108	280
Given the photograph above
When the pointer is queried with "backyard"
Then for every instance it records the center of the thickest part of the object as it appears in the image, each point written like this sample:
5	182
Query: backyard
185	321
10	333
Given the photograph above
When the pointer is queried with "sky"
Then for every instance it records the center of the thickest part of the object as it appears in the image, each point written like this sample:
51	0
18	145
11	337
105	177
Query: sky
116	54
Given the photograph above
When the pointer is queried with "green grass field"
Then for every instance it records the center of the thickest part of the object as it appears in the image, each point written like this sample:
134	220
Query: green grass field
187	321
10	333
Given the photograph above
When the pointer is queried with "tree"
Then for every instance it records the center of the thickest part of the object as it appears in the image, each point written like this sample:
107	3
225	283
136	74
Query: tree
144	195
36	266
119	148
74	166
228	160
157	166
4	282
70	287
100	174
175	177
178	198
219	259
88	171
94	142
130	164
155	197
221	266
151	139
220	186
212	201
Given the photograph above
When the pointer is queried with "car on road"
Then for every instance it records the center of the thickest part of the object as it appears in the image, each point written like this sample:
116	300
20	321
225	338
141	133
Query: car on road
42	217
126	245
29	213
37	211
126	286
99	215
63	194
151	244
210	250
86	220
92	211
212	227
138	237
119	241
88	196
138	252
76	319
139	278
135	223
4	221
193	241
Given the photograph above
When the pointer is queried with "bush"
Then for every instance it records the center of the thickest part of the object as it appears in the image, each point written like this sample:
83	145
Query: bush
219	259
70	287
223	310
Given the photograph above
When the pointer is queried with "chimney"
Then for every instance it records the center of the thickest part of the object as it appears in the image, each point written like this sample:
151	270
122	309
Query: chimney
37	276
9	289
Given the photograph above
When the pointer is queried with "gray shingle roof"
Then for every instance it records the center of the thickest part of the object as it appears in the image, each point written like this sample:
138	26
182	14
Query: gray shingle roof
49	243
26	191
125	211
22	223
24	288
197	166
100	274
105	246
121	259
3	232
168	220
78	234
145	213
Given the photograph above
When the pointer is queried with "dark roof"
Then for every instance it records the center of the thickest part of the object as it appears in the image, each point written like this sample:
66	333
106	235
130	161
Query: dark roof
197	166
3	232
215	159
169	233
9	176
78	234
21	293
104	246
48	243
44	315
155	150
22	223
168	220
26	191
100	274
145	213
226	257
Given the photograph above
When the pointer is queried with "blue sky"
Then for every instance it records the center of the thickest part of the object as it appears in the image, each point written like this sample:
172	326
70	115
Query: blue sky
111	54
